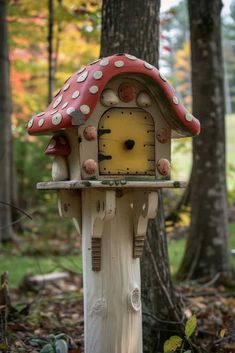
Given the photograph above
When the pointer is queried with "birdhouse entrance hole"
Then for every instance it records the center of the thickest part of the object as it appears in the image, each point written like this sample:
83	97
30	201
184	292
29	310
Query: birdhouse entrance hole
126	142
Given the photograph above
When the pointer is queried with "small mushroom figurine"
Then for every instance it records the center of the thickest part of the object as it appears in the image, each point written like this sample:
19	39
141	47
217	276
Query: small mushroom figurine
60	148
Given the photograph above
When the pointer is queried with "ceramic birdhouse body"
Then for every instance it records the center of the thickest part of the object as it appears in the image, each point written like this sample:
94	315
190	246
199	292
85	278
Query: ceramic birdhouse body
118	115
111	125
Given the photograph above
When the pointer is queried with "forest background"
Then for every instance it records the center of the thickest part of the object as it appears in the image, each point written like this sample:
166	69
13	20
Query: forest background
74	41
64	40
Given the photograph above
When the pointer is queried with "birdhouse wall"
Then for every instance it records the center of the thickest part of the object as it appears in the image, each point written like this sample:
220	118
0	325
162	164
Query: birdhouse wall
141	104
74	163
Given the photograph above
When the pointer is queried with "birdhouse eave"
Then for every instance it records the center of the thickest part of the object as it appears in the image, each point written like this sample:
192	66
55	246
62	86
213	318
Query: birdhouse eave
74	103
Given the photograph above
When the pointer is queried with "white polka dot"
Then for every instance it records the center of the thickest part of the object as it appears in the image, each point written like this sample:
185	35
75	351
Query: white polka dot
119	63
53	112
30	123
64	105
82	77
148	66
104	62
56	119
81	70
57	101
130	57
93	89
97	75
175	100
66	87
85	109
75	94
41	122
162	76
70	110
40	114
188	117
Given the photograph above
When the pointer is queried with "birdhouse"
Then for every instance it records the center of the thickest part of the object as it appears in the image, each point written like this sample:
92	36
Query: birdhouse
111	124
114	119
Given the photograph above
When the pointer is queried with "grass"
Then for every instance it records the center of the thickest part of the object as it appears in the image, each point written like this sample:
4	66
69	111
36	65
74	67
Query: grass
176	249
19	266
182	156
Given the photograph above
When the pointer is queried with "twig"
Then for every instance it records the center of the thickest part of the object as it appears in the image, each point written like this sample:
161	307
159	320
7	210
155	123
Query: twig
154	317
164	289
167	296
16	208
212	281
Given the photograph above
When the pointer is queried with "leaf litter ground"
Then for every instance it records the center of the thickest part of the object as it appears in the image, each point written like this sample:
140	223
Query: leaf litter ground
58	307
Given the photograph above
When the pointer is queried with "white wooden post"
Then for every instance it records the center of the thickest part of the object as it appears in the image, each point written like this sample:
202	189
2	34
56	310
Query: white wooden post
114	224
112	306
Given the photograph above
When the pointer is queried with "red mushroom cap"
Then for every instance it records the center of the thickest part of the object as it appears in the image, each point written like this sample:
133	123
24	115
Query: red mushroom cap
77	99
58	146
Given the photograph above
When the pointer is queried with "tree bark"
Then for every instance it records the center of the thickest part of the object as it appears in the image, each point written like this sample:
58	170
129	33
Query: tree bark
6	231
51	61
207	247
133	27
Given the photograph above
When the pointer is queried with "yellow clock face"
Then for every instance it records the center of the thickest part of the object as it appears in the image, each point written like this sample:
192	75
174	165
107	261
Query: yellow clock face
126	142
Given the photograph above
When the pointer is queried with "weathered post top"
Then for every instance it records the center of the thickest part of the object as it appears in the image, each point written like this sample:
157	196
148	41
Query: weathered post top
112	124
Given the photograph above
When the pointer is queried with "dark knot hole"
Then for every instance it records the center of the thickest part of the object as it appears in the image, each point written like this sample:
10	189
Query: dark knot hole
129	144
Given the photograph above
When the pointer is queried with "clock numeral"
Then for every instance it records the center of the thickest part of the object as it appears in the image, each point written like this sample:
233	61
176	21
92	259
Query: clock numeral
102	157
103	131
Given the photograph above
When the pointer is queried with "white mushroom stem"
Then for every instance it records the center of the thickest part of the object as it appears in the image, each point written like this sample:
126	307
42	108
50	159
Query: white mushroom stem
60	170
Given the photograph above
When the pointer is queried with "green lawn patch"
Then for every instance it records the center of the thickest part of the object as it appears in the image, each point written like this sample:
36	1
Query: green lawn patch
18	266
176	249
182	155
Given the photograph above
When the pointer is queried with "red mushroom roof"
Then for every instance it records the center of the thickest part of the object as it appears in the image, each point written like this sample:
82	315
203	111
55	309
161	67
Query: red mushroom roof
75	102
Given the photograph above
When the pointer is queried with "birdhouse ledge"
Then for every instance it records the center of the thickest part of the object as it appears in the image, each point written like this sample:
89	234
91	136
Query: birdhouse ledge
110	184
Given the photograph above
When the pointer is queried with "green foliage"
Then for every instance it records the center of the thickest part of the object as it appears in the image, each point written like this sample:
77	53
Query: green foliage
175	342
172	344
190	326
53	344
75	42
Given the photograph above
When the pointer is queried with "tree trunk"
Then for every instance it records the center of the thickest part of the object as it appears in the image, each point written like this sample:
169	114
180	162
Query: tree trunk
207	247
133	27
5	130
51	61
